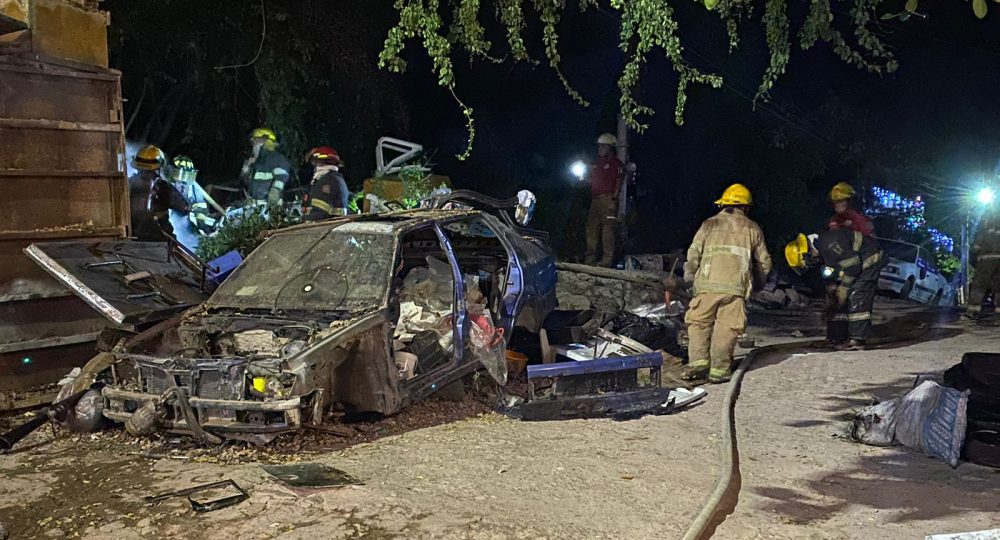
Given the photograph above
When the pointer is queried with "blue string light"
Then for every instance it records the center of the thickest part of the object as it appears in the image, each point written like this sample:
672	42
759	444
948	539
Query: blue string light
910	212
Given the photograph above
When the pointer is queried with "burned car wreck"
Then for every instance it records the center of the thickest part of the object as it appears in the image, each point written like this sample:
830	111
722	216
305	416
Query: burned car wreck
365	314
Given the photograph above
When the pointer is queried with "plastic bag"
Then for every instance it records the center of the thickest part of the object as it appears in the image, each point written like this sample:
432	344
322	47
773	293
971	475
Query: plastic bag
930	418
488	345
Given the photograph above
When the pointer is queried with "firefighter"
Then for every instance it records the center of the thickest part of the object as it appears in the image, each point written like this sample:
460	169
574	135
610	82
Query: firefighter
151	196
184	177
986	281
846	217
164	199
605	184
852	263
726	258
266	172
328	191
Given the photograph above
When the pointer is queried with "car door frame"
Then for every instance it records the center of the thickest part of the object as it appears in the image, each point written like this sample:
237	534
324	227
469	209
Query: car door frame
423	385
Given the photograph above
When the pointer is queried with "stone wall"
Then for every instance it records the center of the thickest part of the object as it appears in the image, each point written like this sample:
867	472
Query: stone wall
577	290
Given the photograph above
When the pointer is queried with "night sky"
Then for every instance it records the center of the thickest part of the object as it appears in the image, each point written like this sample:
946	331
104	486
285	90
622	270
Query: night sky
930	127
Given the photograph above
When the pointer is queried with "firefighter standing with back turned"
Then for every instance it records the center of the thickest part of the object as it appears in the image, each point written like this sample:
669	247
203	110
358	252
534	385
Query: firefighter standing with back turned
328	190
852	262
726	256
152	197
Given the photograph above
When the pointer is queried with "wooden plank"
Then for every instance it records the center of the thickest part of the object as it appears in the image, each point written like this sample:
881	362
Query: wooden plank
45	65
57	341
62	174
59	125
62	233
14	401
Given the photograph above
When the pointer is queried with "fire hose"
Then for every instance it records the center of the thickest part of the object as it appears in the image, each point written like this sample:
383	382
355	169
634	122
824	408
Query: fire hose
725	487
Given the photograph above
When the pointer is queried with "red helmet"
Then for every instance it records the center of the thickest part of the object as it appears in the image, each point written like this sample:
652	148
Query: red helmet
324	154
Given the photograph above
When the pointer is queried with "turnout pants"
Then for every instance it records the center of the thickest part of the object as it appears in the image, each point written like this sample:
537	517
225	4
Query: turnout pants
601	229
715	321
853	320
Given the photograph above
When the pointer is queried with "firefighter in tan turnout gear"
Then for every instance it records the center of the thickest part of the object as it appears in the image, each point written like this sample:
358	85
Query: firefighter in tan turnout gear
726	256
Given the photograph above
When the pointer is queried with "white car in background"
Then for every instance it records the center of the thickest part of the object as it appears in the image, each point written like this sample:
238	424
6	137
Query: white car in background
912	274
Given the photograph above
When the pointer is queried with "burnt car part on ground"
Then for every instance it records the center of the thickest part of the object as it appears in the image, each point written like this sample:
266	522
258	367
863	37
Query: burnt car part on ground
597	388
202	505
350	315
594	372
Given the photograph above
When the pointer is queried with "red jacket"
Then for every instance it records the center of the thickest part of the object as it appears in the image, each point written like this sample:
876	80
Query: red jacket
851	219
605	175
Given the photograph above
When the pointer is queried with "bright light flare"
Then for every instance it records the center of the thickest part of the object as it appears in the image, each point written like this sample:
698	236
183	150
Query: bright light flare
986	195
578	169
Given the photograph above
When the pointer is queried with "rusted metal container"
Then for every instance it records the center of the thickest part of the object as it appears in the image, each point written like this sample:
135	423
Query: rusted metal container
63	177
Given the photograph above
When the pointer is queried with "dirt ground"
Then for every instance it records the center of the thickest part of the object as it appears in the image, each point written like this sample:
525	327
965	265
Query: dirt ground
488	476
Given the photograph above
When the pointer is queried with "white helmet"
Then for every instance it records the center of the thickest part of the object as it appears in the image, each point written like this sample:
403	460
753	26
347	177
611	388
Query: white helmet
607	138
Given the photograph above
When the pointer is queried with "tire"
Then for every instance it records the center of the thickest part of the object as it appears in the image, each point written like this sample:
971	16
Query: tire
88	415
982	448
904	293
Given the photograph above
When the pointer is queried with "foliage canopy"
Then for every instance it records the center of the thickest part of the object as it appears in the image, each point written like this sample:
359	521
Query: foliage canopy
447	28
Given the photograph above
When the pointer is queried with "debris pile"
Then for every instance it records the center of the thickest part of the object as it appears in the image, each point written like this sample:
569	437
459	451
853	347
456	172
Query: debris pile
778	294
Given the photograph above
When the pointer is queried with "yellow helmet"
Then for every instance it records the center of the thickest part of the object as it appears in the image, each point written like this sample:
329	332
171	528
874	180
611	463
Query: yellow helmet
735	195
841	192
264	133
608	139
797	250
149	158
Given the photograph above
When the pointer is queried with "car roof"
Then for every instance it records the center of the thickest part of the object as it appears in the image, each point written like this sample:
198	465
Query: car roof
893	240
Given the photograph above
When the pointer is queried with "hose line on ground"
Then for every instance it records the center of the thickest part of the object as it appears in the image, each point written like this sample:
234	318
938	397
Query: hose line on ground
729	452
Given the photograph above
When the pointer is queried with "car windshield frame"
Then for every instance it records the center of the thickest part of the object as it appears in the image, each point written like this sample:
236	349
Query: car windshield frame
337	269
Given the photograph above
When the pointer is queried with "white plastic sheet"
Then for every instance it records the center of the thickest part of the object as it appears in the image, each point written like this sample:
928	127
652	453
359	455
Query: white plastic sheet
930	418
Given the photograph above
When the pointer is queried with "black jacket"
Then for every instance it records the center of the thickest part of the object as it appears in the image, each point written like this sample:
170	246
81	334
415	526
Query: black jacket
849	253
327	196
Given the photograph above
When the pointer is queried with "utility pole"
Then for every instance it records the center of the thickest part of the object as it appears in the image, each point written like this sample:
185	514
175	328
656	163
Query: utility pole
964	291
622	154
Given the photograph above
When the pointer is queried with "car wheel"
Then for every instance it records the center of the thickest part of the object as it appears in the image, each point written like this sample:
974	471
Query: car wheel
88	415
904	293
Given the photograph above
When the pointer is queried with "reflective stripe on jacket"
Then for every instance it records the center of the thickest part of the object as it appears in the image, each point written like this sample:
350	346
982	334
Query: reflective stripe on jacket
848	252
271	171
727	253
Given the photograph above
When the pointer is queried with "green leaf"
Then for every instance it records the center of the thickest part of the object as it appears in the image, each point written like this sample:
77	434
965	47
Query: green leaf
911	6
710	4
979	8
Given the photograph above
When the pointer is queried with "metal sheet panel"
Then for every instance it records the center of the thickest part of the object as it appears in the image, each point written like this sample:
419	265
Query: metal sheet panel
97	272
58	94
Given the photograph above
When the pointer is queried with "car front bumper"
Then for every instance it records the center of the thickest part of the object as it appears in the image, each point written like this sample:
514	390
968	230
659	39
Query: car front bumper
220	415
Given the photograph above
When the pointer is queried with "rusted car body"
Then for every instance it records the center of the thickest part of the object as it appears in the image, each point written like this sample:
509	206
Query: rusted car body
367	314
